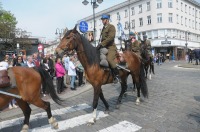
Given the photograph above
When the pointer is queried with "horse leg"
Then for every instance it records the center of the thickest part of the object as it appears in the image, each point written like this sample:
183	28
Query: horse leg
105	102
150	67
97	91
26	111
46	106
137	102
123	90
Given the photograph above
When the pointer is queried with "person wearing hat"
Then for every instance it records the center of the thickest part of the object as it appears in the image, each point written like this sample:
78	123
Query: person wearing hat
135	44
146	45
107	41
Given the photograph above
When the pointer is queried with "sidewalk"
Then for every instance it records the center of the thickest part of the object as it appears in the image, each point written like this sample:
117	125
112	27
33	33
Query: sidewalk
184	64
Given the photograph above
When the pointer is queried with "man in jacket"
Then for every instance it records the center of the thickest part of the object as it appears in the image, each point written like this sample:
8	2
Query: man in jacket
107	41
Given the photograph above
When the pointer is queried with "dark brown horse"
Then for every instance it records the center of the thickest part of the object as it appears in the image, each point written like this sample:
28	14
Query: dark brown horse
28	86
147	60
89	57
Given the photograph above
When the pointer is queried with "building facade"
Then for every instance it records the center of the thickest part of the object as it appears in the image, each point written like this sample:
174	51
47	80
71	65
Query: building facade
173	26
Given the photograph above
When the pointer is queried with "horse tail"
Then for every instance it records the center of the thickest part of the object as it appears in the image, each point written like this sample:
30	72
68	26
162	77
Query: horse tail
47	83
143	83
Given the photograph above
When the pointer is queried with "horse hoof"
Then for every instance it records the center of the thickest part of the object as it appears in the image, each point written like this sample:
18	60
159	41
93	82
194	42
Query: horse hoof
25	128
117	106
91	122
137	103
107	111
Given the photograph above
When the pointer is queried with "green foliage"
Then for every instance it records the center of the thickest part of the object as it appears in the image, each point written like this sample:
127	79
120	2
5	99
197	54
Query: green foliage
7	23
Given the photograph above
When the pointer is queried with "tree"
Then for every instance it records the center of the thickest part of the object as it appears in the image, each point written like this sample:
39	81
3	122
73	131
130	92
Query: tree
7	23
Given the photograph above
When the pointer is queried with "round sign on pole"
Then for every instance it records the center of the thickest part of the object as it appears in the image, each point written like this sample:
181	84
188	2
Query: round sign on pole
40	47
83	26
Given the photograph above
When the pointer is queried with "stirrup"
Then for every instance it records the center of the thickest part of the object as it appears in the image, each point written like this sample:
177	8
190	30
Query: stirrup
117	79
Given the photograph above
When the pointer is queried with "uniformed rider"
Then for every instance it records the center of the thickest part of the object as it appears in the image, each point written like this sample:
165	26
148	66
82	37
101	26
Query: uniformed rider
146	45
107	41
135	44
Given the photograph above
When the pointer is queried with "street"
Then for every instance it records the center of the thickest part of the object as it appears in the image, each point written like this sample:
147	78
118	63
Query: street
173	106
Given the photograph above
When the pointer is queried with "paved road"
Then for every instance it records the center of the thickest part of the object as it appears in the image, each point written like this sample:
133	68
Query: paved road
173	105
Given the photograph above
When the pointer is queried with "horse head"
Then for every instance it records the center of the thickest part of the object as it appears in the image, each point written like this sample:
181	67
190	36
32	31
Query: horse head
68	42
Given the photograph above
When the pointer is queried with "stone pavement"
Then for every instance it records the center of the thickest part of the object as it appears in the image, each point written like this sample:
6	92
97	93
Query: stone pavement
172	106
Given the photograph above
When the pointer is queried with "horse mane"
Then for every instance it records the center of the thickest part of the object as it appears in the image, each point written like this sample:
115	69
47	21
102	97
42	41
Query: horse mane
91	52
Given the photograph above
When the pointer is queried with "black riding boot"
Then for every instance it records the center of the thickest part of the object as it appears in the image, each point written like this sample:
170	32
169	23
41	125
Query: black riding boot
117	78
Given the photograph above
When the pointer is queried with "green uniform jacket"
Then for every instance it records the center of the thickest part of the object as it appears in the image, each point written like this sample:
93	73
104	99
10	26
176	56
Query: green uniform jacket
108	35
135	46
107	40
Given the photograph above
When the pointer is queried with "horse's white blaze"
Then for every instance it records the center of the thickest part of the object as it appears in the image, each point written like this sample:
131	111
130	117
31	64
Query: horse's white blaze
70	123
123	126
65	110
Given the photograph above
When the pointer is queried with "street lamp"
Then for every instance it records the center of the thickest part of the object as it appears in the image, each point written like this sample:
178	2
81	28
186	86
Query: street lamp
17	48
186	39
94	5
60	31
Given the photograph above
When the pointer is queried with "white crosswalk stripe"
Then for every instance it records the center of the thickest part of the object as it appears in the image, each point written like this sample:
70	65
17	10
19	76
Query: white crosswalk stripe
70	123
38	116
123	126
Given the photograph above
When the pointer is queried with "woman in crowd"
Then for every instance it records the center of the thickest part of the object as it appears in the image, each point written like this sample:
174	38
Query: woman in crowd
72	72
60	72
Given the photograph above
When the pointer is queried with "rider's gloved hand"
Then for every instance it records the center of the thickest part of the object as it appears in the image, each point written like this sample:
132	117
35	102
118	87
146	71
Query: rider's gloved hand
99	46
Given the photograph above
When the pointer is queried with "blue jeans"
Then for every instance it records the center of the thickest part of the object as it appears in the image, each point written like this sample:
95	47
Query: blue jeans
72	81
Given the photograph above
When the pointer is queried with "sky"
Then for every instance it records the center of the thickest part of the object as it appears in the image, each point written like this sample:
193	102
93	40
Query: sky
43	17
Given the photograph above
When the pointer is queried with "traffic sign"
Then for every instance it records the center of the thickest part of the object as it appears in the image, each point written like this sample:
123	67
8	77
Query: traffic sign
83	26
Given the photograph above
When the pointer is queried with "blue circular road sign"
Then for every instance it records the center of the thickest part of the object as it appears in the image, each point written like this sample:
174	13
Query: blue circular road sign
83	26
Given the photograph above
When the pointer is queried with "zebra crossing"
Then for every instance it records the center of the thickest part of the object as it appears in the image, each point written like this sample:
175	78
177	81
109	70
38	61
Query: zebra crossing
73	122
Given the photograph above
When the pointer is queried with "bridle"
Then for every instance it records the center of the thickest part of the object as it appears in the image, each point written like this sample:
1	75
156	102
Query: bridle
73	38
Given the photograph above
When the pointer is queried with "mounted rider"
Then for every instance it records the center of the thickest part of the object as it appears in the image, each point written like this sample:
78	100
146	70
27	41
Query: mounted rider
135	44
146	48
107	41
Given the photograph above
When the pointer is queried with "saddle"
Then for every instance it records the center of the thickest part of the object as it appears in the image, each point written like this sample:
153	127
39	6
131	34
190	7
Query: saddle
4	79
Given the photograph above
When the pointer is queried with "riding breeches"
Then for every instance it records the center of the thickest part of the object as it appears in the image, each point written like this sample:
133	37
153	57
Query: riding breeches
112	51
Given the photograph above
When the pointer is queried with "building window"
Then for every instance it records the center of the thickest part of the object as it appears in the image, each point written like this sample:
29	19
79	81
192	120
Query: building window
159	17
181	6
133	24
118	16
148	6
189	23
126	25
140	8
189	10
159	4
177	6
196	14
126	13
141	22
177	19
193	24
186	22
185	8
170	18
132	11
148	20
169	3
181	20
193	12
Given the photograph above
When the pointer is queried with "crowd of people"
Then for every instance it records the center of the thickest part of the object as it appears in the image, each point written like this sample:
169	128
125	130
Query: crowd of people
65	71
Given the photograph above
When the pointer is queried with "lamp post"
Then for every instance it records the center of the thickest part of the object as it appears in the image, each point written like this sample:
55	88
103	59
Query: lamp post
186	39
94	5
18	49
60	32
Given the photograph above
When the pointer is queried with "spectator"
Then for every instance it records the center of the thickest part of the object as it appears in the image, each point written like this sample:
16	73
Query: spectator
25	60
72	73
36	60
30	62
60	72
190	57
66	65
79	71
51	65
196	55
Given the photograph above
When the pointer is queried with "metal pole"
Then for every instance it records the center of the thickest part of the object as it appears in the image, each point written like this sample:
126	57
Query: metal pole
94	34
129	19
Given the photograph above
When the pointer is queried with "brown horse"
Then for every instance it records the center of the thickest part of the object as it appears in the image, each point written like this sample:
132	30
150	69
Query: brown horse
28	86
89	57
148	61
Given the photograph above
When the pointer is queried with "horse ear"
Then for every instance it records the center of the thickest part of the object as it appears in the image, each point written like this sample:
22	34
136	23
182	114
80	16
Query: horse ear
75	28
